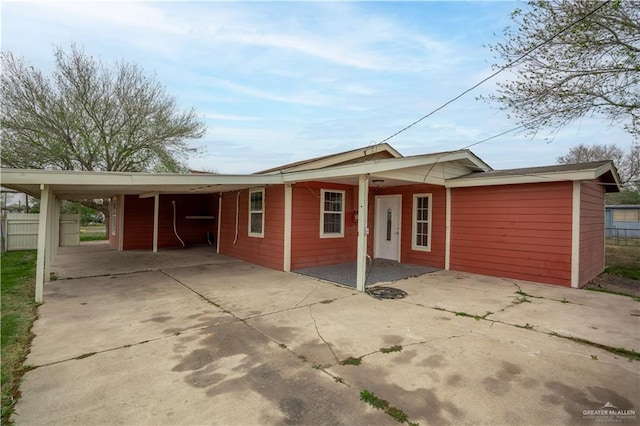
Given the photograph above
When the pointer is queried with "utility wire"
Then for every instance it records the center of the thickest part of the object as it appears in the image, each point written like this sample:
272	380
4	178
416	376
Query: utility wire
504	67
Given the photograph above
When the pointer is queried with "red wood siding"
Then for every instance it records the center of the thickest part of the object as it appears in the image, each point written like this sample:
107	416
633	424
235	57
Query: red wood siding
591	231
434	258
267	251
516	231
138	223
138	220
307	248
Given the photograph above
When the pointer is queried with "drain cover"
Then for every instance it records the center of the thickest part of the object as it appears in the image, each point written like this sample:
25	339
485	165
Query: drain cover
386	293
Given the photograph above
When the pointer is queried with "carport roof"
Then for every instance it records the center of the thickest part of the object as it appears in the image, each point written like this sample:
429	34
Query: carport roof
73	185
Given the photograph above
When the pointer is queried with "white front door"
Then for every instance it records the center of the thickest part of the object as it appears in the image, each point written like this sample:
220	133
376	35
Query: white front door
387	227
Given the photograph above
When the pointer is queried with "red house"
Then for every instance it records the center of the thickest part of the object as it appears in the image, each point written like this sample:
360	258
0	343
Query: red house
445	210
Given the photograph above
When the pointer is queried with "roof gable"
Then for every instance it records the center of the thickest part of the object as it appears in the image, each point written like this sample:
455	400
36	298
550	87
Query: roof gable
604	171
358	155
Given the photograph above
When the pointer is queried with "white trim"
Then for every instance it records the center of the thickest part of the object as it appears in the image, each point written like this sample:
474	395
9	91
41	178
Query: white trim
288	212
156	209
250	212
363	230
113	215
544	177
120	220
447	231
414	245
377	232
219	223
342	214
43	228
575	236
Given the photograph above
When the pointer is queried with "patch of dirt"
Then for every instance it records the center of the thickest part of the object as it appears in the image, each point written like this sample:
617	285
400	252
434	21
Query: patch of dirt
615	283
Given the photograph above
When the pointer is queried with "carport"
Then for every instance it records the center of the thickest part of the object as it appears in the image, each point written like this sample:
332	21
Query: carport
53	186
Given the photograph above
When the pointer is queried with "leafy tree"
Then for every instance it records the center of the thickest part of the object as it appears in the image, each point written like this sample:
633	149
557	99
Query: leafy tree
590	69
627	163
88	115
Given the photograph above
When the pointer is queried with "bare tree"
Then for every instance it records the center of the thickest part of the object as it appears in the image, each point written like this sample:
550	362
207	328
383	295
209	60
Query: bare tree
627	163
91	116
591	68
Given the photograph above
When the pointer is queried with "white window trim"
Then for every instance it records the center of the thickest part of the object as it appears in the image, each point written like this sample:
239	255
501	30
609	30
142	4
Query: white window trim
255	234
331	235
414	227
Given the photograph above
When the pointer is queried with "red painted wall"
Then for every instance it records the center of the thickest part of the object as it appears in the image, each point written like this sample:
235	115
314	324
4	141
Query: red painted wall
516	231
592	203
267	251
307	248
138	220
434	258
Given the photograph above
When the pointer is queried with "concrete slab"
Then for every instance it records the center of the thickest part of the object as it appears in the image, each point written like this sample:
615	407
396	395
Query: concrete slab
226	342
226	374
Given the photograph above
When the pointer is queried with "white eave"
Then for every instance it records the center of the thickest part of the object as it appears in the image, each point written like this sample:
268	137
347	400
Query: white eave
514	177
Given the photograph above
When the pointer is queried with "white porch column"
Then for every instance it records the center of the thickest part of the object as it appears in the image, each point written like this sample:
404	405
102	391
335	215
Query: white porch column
447	231
53	230
288	204
363	231
43	231
219	220
156	208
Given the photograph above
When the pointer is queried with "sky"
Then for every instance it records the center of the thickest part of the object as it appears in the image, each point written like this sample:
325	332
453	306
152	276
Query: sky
278	82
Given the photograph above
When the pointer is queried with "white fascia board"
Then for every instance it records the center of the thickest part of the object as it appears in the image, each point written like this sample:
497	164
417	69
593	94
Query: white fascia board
525	178
64	177
375	166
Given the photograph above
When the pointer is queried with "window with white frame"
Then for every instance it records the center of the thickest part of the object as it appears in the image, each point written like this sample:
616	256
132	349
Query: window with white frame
256	212
331	213
114	215
421	239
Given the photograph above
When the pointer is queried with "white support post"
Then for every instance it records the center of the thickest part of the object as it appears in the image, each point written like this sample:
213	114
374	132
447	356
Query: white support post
156	209
447	231
575	236
363	231
43	229
219	222
52	230
288	204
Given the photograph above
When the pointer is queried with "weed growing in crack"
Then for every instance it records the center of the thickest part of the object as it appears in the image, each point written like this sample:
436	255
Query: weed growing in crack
594	357
283	346
394	348
338	379
564	300
317	366
475	317
527	326
351	361
382	404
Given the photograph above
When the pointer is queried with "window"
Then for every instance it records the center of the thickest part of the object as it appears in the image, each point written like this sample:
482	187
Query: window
256	213
626	215
421	239
114	215
331	214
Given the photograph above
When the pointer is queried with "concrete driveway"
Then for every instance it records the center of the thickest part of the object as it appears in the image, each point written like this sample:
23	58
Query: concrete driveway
203	339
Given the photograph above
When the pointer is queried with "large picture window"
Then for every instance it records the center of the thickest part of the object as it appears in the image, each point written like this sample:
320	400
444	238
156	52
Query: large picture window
421	239
331	214
256	212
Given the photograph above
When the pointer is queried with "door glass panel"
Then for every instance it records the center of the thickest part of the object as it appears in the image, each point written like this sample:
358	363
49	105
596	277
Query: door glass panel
388	224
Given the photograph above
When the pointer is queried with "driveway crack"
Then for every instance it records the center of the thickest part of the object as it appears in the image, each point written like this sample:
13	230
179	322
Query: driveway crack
320	335
305	297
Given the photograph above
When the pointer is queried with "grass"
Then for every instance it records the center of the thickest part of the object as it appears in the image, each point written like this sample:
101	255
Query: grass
382	404
351	361
623	261
93	237
18	313
394	348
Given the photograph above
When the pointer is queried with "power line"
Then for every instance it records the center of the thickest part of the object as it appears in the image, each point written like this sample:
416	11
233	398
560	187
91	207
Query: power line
504	67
